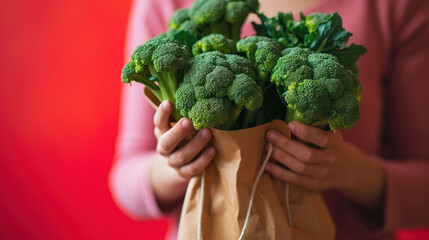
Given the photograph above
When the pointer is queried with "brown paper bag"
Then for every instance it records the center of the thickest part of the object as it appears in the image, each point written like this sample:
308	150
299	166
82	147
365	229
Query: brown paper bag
279	210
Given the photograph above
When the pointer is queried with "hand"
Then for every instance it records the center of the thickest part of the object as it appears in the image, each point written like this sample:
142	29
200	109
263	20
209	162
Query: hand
325	162
187	158
314	168
178	158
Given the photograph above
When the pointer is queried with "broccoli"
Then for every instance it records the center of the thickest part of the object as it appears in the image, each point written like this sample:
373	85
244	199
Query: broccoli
292	67
216	16
263	53
157	64
178	17
317	88
215	90
214	42
188	26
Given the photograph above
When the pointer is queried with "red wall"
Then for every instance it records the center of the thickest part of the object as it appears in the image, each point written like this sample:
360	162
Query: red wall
60	65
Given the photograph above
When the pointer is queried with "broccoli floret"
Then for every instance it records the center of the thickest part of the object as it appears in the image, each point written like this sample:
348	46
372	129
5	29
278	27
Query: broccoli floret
345	112
308	101
317	88
294	51
158	60
291	68
214	42
242	91
236	14
185	98
220	16
140	75
263	53
178	17
214	91
210	112
240	64
327	66
214	16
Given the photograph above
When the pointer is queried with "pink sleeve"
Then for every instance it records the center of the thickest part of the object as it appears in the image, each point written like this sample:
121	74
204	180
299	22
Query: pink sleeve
406	161
129	176
407	195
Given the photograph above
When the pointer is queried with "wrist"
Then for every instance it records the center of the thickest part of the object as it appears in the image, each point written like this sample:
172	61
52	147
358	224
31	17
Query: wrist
167	185
365	180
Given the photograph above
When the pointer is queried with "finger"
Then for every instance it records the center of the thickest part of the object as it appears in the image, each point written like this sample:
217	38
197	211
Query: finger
305	169
298	150
190	150
294	178
162	116
157	132
315	135
197	166
170	139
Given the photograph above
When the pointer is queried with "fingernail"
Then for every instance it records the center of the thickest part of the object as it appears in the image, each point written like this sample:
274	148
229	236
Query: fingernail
268	167
205	134
293	127
186	123
165	105
272	136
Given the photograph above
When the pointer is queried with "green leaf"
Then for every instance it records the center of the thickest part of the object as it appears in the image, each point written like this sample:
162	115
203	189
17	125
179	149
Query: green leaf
348	55
328	35
185	38
283	28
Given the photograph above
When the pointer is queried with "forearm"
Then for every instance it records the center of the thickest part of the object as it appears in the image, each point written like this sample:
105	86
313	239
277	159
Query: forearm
365	180
168	186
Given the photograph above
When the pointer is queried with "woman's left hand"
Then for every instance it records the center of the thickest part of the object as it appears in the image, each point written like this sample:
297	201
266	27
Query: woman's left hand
319	160
315	168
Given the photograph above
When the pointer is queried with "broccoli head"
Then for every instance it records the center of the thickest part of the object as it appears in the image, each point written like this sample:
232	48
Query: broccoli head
291	68
178	17
215	90
218	16
214	42
263	53
317	88
157	63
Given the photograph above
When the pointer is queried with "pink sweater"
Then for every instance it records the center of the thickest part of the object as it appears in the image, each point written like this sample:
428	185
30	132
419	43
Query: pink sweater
393	126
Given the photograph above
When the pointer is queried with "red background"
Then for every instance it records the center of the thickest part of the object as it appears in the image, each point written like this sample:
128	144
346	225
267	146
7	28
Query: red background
60	63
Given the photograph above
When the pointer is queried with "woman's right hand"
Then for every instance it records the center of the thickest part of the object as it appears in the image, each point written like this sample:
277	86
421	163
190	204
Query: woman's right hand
179	158
187	158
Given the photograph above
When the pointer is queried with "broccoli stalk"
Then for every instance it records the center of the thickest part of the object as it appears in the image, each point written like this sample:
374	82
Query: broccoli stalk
214	42
263	53
168	82
231	122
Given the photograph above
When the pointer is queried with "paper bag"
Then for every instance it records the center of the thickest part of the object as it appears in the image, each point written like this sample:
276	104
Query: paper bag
279	210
